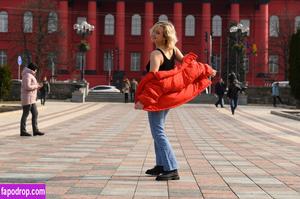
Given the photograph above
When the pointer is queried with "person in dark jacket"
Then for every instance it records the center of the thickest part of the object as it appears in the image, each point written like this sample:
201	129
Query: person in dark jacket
233	92
44	90
220	90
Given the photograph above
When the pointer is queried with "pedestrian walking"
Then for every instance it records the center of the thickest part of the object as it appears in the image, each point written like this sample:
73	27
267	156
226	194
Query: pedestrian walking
233	92
163	58
133	87
29	88
44	90
220	89
276	93
126	89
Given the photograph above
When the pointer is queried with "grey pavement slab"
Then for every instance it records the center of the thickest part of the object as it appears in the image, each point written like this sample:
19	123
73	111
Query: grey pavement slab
101	150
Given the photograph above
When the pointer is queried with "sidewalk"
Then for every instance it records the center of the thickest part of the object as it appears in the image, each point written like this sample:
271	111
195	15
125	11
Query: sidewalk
101	150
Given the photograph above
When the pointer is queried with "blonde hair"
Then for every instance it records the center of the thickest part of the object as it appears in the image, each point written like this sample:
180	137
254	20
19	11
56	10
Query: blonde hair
169	32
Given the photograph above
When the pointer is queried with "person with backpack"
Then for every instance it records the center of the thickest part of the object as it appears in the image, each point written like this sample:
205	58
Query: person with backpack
233	92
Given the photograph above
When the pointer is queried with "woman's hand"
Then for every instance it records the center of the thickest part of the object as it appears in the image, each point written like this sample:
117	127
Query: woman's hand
139	105
214	72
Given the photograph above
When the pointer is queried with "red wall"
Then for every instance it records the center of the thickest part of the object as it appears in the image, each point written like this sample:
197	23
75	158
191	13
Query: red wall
135	43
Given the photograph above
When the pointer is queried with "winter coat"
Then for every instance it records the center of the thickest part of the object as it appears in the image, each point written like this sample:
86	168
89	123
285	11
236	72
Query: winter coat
29	87
168	89
275	90
45	89
233	89
220	88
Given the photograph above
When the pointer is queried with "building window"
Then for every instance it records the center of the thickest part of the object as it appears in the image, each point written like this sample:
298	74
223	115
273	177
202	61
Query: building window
27	22
80	20
216	62
273	63
108	61
274	26
52	22
136	24
297	23
135	63
80	60
3	57
217	26
163	18
51	60
189	25
3	21
246	23
26	57
109	24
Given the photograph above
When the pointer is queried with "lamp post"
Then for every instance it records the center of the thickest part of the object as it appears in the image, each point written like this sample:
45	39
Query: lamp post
83	29
238	30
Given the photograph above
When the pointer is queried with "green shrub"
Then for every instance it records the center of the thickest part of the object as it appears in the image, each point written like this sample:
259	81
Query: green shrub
5	81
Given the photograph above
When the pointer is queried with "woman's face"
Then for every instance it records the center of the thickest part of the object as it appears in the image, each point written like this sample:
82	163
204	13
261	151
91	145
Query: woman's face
157	35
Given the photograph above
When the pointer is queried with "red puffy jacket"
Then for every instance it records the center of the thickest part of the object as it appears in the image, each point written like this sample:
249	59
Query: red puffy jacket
167	89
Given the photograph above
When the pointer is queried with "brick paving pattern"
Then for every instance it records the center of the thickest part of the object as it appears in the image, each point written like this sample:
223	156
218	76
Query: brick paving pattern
101	150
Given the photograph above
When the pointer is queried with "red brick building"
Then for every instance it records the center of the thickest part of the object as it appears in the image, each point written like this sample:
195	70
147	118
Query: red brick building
120	42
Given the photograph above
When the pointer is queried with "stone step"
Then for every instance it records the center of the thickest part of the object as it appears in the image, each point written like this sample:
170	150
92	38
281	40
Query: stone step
105	97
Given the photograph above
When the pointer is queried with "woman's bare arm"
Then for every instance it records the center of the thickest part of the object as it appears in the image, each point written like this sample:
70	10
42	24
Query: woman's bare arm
156	59
178	54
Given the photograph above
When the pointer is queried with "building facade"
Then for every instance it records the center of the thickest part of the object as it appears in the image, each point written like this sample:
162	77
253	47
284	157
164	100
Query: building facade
120	43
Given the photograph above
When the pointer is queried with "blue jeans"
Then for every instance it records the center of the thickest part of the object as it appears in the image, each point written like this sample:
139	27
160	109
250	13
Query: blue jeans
163	150
233	104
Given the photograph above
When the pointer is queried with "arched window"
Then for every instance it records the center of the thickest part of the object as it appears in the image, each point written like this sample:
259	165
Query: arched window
52	22
246	23
163	18
109	24
136	24
3	21
297	23
274	26
81	19
189	25
217	26
27	22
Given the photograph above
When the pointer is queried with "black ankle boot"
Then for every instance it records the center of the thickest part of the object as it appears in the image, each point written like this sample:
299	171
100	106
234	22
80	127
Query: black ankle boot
25	134
155	171
38	133
168	175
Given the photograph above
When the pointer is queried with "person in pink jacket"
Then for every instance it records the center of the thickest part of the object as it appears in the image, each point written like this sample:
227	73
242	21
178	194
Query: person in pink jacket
29	88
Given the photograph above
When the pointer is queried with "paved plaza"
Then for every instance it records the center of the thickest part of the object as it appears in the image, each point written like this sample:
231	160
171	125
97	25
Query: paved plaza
101	150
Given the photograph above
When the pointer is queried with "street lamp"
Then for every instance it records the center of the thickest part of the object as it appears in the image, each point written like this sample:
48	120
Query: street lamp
83	29
237	29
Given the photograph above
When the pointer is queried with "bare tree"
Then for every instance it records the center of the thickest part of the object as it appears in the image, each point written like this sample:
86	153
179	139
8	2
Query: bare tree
281	34
37	32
